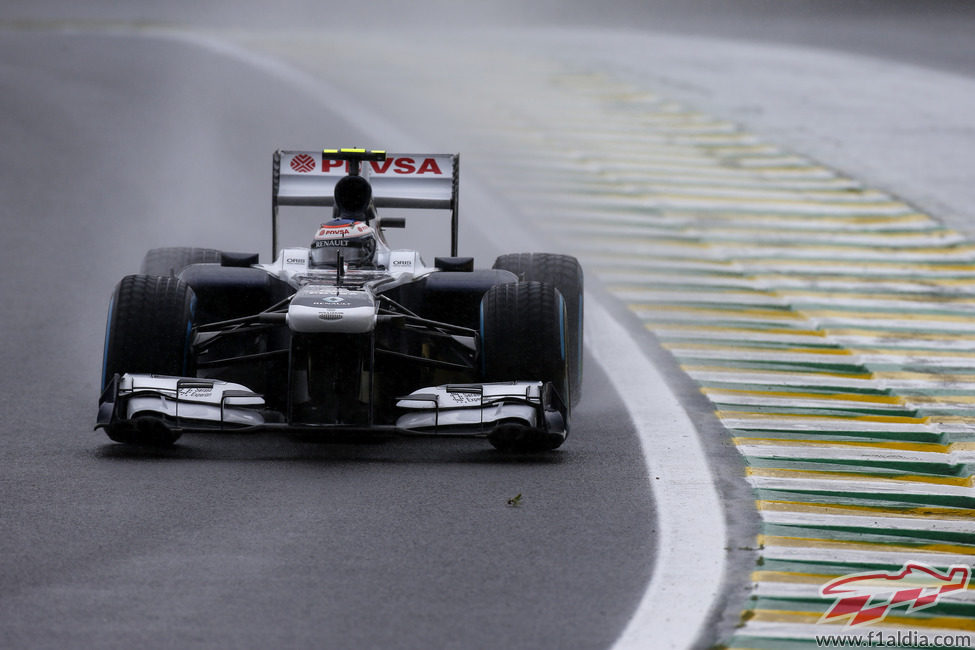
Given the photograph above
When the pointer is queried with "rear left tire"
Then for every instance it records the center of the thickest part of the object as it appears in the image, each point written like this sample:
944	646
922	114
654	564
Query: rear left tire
171	260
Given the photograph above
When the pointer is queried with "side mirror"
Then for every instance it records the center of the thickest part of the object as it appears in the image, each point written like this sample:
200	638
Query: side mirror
391	222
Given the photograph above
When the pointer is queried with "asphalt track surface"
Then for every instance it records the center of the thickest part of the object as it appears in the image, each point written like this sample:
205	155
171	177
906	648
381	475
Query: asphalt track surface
115	143
250	541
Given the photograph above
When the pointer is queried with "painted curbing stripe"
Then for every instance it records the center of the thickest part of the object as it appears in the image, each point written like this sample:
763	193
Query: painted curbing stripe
732	193
718	376
876	486
626	206
966	515
660	296
824	237
863	556
888	523
807	623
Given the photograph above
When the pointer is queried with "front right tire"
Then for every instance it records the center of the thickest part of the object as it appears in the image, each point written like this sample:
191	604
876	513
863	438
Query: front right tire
523	337
565	274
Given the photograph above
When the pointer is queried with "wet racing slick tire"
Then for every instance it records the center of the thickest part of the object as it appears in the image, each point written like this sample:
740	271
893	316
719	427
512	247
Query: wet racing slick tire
564	273
149	330
523	338
172	260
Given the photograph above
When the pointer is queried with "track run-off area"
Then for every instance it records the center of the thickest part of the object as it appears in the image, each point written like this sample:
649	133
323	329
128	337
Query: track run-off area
829	323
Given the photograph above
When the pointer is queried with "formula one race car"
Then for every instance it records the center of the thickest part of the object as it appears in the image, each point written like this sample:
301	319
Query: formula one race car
346	335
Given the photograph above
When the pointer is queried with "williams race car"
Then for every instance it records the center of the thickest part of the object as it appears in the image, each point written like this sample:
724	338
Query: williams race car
347	335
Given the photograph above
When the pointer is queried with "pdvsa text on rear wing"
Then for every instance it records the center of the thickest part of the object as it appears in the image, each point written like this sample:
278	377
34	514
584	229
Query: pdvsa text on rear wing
398	180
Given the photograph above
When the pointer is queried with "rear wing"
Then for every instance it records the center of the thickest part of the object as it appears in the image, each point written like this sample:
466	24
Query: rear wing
399	180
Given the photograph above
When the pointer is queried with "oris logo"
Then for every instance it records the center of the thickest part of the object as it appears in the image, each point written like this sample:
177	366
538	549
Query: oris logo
295	260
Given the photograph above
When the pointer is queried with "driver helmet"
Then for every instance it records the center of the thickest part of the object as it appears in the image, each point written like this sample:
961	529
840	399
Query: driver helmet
355	240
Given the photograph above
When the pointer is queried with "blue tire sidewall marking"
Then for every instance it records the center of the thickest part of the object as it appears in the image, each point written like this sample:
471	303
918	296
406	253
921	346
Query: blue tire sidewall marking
562	319
108	334
483	341
189	334
579	343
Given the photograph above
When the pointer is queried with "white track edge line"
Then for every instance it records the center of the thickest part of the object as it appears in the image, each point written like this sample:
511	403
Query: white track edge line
689	566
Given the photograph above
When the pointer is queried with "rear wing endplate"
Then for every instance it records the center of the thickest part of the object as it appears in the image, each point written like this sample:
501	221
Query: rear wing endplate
401	180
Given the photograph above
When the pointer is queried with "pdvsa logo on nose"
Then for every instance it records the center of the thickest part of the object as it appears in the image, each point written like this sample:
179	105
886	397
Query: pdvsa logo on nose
868	597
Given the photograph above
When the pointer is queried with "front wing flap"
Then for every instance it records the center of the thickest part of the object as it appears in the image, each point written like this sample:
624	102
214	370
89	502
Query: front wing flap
504	412
499	411
185	403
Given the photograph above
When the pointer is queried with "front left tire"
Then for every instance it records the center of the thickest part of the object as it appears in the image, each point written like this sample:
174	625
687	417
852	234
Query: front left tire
149	331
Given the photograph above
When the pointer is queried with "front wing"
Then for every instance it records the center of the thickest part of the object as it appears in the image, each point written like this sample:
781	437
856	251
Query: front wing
515	410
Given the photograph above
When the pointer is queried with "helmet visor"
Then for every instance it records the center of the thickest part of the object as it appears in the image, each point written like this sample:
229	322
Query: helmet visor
355	251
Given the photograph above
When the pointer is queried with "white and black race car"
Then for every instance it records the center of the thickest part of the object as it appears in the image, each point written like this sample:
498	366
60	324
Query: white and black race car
347	335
